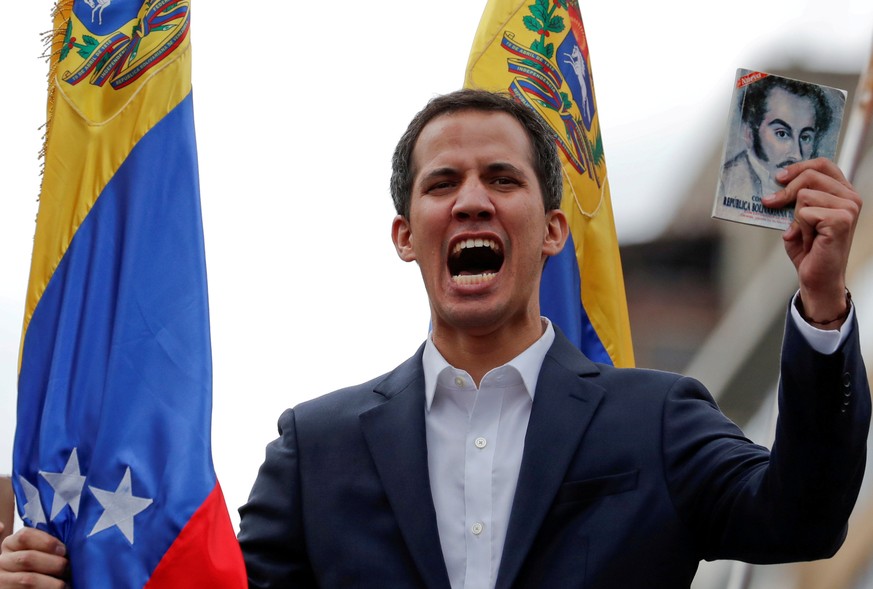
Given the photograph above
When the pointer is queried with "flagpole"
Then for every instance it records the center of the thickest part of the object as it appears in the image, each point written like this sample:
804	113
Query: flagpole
7	506
858	125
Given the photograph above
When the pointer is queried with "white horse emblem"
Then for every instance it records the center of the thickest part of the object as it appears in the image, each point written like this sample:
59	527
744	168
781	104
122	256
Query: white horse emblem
98	7
577	62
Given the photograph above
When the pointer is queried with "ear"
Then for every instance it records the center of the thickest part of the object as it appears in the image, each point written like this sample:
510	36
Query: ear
401	235
557	231
747	135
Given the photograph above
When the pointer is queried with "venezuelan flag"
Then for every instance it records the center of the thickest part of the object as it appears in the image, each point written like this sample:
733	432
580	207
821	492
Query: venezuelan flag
113	442
537	51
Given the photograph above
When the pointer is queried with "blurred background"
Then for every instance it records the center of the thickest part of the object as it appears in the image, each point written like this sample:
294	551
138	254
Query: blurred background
297	113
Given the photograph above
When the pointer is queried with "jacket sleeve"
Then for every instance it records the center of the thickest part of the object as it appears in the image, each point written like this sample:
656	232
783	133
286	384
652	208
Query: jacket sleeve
271	522
745	503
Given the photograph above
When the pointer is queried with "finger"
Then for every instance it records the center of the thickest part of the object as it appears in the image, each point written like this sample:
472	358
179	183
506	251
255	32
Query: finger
33	561
837	221
807	232
819	173
810	179
825	194
33	539
823	213
821	165
29	580
818	212
32	556
800	235
792	234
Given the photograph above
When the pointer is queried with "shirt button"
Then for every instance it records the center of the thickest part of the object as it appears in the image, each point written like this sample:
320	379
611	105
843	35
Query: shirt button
477	528
480	442
459	382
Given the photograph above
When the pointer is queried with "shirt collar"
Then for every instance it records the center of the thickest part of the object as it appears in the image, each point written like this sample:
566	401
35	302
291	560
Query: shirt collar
528	363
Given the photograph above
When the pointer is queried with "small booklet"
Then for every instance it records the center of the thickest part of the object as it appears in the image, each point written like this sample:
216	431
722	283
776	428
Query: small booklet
773	122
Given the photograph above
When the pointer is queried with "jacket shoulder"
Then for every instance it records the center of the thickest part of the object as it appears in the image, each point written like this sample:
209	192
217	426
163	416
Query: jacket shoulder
349	402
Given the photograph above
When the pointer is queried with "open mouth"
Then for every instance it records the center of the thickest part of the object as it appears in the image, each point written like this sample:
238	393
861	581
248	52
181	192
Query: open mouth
474	261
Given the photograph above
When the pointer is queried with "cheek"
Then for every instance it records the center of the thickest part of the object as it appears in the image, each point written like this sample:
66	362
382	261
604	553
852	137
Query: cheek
771	144
427	249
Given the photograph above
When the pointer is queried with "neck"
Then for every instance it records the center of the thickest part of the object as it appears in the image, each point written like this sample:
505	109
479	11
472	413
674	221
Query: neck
479	351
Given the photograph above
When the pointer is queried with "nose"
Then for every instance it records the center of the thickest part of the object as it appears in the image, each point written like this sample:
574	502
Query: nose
795	152
473	201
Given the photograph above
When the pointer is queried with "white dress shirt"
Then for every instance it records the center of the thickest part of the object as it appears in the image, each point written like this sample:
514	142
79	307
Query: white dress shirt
475	438
823	341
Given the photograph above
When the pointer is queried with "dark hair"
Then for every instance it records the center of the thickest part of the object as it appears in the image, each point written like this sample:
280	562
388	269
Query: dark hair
544	152
754	102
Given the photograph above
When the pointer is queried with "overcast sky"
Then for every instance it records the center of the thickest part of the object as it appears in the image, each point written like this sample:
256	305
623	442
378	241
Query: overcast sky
297	112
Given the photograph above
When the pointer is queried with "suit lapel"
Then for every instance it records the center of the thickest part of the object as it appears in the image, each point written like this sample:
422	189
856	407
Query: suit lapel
395	434
562	410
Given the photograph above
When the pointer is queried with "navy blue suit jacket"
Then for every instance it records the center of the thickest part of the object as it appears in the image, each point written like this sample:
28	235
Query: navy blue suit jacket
629	477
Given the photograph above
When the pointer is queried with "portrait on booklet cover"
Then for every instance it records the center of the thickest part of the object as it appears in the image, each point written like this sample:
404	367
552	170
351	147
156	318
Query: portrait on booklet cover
773	122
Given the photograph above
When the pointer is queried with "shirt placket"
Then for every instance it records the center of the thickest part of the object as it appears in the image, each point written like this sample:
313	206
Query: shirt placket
480	445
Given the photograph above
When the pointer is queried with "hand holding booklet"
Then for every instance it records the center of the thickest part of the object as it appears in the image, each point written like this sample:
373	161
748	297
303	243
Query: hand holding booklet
773	122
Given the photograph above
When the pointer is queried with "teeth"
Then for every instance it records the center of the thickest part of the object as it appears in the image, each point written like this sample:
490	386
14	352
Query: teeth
489	243
471	279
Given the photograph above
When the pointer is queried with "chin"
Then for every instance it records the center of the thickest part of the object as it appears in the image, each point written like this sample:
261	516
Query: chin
472	317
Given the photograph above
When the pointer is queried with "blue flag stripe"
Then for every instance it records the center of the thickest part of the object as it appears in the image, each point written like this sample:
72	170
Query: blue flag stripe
561	301
116	361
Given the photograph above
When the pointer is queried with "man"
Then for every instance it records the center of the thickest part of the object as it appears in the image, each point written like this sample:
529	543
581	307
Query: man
498	455
783	122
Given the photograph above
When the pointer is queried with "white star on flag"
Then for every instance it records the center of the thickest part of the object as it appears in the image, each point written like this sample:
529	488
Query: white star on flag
119	507
32	507
67	486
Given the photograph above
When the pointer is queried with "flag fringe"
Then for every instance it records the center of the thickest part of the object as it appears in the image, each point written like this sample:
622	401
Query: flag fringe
52	41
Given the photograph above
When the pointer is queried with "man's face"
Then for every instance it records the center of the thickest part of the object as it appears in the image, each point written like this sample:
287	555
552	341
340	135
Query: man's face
786	135
477	225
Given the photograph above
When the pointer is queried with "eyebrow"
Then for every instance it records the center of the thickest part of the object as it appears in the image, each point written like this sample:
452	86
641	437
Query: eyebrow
492	168
504	167
436	173
779	122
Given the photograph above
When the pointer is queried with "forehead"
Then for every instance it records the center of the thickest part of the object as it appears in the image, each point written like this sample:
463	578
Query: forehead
469	137
782	104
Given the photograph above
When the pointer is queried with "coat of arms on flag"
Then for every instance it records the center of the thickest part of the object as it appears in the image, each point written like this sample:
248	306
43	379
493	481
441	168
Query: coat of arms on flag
539	53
